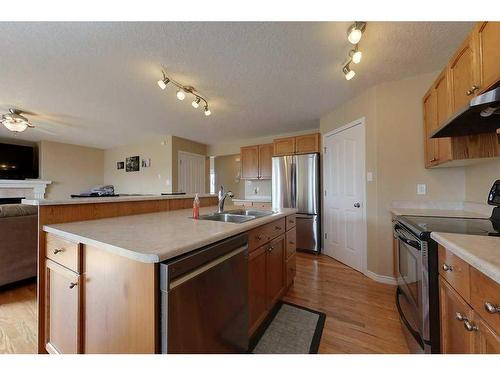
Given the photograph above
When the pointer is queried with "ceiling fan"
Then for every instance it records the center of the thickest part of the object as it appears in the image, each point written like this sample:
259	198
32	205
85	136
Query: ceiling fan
15	121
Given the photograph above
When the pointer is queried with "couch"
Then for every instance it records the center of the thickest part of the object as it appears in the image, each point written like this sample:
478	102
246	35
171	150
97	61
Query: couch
18	242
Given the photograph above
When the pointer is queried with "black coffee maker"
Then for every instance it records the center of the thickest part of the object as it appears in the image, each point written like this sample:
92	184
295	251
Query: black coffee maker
494	200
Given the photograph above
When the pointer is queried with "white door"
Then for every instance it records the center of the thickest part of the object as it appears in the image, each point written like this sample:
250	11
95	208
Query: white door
345	219
191	173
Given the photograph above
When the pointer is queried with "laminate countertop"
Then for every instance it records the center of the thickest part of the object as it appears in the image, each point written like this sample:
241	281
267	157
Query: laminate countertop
438	213
156	237
481	252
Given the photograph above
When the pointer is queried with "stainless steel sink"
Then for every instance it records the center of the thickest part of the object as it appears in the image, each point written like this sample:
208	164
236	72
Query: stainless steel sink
256	213
227	217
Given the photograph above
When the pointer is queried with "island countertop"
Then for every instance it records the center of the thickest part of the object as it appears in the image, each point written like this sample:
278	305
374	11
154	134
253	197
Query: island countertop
156	237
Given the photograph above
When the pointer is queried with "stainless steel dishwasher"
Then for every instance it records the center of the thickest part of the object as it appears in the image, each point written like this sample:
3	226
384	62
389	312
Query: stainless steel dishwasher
204	299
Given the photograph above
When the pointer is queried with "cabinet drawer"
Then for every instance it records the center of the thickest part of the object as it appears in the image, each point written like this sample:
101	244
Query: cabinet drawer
261	206
64	252
291	243
455	271
485	298
265	233
291	270
291	221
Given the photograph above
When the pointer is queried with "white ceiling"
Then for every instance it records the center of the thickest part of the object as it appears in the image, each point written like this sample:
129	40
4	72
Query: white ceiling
95	83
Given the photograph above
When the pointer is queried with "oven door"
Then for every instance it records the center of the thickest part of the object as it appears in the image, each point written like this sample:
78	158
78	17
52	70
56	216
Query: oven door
410	278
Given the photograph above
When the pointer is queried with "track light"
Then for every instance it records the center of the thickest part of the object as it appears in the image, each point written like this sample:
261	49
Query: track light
196	102
181	95
207	111
163	83
349	74
355	32
355	55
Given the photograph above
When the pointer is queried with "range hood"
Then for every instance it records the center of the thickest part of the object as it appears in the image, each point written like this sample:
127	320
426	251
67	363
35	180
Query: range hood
482	115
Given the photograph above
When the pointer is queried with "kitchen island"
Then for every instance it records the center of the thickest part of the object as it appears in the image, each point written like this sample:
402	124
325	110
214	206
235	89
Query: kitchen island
99	279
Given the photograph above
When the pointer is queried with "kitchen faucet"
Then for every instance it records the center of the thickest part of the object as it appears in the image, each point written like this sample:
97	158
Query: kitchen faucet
222	197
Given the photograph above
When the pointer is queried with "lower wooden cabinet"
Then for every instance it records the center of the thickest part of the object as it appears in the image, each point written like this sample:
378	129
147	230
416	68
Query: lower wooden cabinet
63	310
275	270
486	341
257	281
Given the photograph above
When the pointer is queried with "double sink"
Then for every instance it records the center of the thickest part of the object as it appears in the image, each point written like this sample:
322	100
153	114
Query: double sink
235	216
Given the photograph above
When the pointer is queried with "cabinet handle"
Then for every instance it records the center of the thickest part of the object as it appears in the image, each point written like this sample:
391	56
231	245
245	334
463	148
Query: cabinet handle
491	308
277	227
472	90
72	285
469	326
447	267
270	248
291	243
56	251
259	237
460	317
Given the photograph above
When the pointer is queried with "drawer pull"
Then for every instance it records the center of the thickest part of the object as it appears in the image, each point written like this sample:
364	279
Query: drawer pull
277	227
72	285
56	251
469	326
270	248
472	90
447	267
259	237
291	243
460	317
491	308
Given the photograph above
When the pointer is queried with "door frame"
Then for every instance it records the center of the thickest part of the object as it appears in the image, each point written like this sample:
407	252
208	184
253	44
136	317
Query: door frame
359	122
179	153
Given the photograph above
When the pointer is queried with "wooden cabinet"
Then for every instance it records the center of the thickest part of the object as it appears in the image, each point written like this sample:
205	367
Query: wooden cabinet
486	36
284	146
249	162
63	310
469	300
267	270
256	162
471	70
302	144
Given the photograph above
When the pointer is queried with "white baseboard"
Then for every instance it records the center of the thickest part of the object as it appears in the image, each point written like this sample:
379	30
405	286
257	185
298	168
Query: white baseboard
381	278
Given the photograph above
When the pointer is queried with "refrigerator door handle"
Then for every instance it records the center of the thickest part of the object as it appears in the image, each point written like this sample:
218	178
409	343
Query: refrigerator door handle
294	184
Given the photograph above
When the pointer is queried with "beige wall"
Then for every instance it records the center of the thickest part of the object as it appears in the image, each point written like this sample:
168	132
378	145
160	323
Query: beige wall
394	153
153	180
72	169
479	178
181	144
227	173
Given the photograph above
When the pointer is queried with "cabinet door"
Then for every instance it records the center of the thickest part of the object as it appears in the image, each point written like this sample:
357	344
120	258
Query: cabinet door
487	52
266	161
306	144
62	310
275	269
257	297
487	340
463	83
455	339
431	150
250	162
442	114
284	146
291	268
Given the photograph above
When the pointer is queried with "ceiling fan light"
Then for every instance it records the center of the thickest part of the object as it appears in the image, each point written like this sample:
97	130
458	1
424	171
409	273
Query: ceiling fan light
181	95
15	126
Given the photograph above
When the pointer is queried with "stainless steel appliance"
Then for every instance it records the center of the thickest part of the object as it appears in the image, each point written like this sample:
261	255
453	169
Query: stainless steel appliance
417	297
295	184
204	299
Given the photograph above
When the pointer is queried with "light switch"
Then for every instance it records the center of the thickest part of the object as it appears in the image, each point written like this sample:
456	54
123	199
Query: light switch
369	176
421	189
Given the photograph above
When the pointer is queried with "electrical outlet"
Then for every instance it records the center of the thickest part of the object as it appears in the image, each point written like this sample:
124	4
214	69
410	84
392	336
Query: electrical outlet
421	189
369	176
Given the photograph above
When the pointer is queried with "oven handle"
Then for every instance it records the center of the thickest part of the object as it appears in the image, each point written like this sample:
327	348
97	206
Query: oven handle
412	243
414	333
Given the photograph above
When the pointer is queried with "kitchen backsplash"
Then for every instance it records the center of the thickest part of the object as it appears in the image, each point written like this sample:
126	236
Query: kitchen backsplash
258	188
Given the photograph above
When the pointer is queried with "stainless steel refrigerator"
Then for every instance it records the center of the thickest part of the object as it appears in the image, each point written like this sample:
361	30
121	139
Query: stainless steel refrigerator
295	182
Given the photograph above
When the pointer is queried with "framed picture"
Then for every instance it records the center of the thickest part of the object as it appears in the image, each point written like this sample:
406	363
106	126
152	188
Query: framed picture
146	163
120	165
132	164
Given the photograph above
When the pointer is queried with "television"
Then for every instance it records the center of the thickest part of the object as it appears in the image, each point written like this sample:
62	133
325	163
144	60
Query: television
17	162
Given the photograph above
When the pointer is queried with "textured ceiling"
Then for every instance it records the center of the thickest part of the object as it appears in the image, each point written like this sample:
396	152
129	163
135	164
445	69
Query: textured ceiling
95	83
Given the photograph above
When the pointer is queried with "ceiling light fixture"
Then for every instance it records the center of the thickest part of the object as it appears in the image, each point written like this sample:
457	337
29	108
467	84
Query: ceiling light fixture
15	121
355	55
355	32
183	90
349	74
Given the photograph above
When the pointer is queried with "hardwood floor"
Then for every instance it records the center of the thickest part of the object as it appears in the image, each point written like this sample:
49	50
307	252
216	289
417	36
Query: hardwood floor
361	315
18	327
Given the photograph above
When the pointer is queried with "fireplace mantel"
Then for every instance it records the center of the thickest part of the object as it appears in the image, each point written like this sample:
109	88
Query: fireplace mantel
23	188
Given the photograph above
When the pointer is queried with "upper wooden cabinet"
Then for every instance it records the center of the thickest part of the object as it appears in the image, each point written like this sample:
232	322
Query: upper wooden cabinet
256	162
472	70
302	144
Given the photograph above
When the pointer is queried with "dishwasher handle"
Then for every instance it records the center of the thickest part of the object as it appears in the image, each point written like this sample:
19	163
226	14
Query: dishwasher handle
186	277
